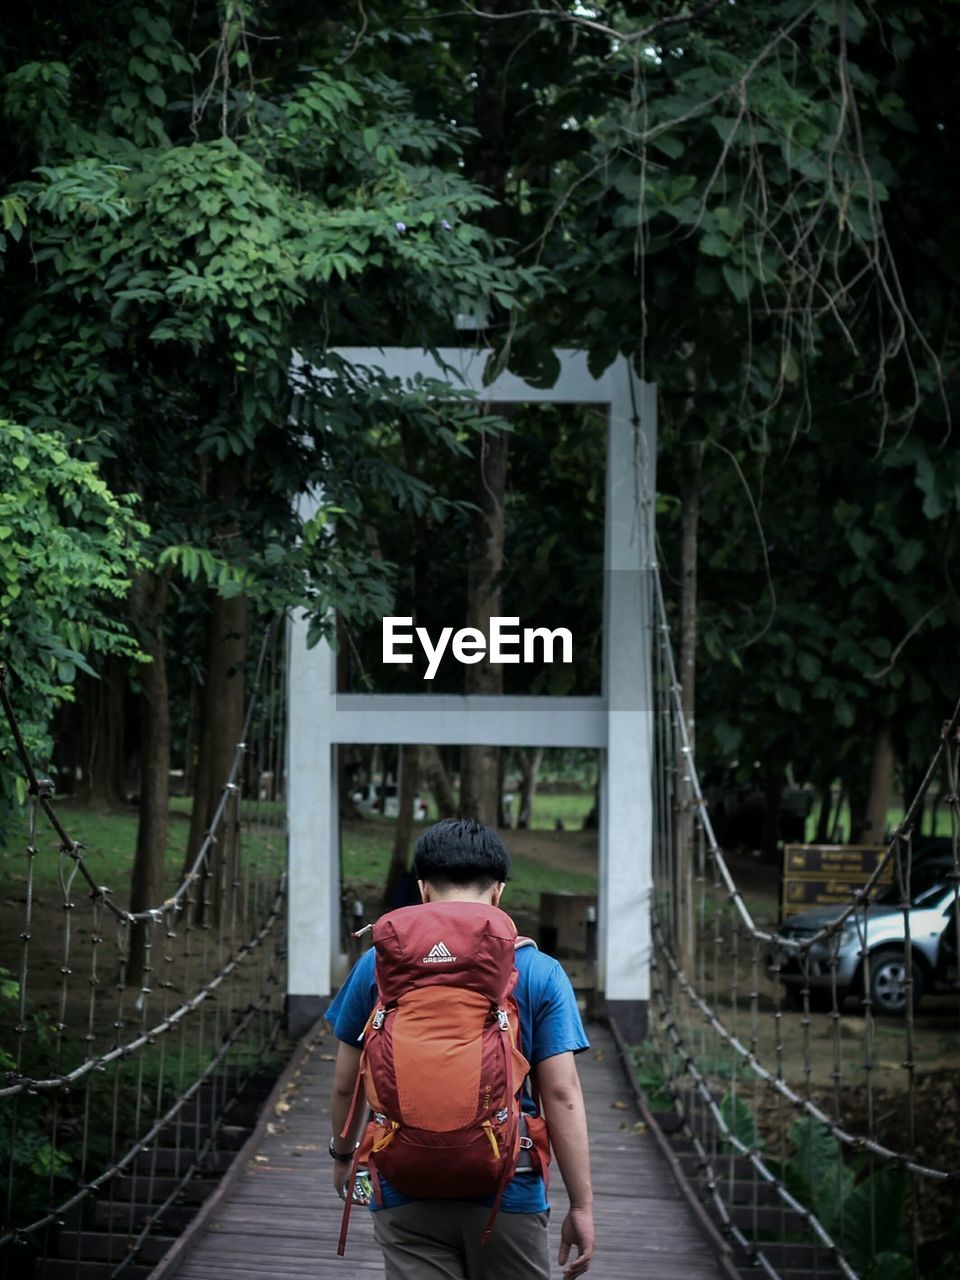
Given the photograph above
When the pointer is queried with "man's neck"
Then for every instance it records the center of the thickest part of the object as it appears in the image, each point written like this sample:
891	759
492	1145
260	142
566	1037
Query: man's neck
461	893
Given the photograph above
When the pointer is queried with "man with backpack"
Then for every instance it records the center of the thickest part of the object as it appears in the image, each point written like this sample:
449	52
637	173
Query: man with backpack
438	1025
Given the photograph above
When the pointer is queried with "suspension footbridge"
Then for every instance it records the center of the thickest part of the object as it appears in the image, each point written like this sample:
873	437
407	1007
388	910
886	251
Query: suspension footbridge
154	1116
157	1136
279	1215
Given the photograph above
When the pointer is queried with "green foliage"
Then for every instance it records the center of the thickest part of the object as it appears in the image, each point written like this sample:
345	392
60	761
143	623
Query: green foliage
186	241
9	994
651	1077
816	1174
36	99
67	548
31	1152
9	986
740	1120
866	1215
25	1147
749	205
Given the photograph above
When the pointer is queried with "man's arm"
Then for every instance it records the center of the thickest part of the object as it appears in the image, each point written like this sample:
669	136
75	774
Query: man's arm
345	1072
562	1101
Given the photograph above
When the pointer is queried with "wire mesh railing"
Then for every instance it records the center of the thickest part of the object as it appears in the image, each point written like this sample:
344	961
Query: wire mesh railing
809	1059
129	1041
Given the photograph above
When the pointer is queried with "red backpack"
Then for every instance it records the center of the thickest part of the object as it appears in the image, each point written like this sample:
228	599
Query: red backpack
442	1066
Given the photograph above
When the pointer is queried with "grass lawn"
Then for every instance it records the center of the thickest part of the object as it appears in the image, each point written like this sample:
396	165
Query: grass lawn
109	839
894	818
529	879
568	809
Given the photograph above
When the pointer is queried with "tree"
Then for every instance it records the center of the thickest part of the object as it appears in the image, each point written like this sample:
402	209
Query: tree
748	207
68	547
409	769
173	245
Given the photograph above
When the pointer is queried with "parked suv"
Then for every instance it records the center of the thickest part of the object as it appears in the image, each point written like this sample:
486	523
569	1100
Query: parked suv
932	941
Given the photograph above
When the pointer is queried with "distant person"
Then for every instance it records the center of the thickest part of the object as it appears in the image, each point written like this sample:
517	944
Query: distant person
406	892
462	868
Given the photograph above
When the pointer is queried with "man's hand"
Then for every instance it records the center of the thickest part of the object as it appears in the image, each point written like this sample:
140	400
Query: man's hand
576	1233
562	1100
345	1072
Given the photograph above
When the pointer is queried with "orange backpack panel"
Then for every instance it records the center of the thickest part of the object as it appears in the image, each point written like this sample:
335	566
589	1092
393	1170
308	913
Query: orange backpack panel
442	1066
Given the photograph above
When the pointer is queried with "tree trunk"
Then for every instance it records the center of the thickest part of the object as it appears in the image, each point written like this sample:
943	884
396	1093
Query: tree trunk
690	528
346	807
403	831
692	460
104	764
913	781
190	740
881	786
147	884
221	713
824	827
345	803
503	817
376	764
592	820
479	765
436	778
221	726
772	804
529	772
824	790
856	784
836	835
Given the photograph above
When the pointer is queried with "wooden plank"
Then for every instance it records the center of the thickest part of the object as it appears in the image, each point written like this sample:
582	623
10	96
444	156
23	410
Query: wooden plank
280	1215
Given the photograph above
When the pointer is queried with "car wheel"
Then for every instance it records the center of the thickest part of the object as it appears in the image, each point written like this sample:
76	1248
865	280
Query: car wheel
888	976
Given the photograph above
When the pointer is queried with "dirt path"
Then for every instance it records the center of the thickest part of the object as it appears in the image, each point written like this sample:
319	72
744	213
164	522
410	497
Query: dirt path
563	850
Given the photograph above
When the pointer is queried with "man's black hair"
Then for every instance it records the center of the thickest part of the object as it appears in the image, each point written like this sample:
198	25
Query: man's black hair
461	851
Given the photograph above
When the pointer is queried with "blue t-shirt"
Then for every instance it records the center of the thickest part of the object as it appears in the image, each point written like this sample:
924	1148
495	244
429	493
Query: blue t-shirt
549	1024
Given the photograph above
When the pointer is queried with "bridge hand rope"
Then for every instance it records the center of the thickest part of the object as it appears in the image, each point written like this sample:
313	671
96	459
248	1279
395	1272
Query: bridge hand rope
42	790
712	1040
216	938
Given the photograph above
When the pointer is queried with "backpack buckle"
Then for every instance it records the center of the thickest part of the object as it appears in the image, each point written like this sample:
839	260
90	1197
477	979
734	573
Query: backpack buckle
526	1143
502	1020
378	1019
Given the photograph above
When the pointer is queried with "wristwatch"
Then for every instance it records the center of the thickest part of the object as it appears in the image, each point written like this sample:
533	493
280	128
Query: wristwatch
340	1157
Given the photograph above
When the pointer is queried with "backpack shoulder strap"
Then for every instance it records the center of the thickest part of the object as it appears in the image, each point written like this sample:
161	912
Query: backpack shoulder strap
523	941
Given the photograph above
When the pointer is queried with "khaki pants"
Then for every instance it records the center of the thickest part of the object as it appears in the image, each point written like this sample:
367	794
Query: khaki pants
440	1240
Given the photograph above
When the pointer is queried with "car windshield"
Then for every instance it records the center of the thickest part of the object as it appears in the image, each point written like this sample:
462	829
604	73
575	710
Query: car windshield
928	880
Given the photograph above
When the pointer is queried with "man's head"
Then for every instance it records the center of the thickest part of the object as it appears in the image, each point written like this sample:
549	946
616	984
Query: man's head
460	858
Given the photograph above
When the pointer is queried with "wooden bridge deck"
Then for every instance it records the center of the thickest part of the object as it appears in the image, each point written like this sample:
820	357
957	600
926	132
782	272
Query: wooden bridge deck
277	1215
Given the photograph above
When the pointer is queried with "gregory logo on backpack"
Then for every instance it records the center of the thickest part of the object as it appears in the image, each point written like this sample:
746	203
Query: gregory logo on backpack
439	954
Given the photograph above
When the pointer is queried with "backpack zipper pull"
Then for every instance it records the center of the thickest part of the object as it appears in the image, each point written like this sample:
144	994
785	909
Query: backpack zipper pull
358	933
488	1130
